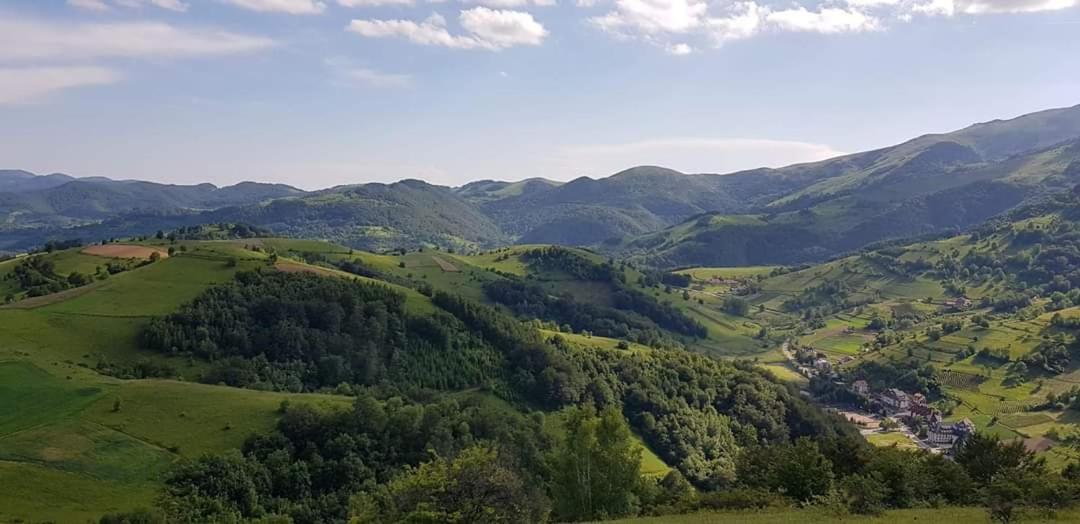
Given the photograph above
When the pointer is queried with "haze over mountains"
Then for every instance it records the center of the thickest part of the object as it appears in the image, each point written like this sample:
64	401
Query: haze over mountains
794	214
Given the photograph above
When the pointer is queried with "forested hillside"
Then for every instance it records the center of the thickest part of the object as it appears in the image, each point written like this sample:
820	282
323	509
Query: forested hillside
926	194
795	214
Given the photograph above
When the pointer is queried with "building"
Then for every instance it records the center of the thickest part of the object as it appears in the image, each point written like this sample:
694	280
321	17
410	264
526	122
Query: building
861	388
949	436
895	400
958	303
822	365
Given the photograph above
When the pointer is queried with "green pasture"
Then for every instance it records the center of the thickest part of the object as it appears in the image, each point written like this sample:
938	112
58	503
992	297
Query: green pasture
820	516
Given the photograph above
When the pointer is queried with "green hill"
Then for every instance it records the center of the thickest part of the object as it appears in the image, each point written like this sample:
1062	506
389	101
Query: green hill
799	213
901	202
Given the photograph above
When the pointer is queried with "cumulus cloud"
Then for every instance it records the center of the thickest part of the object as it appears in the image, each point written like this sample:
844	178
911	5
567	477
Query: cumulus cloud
827	20
36	40
668	23
979	7
19	85
658	20
502	29
744	20
652	17
292	7
489	29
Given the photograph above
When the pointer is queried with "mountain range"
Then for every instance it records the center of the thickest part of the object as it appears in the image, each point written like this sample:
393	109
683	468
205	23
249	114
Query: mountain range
800	213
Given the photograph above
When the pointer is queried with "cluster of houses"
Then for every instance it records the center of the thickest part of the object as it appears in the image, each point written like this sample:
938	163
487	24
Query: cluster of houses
812	363
913	410
736	287
959	303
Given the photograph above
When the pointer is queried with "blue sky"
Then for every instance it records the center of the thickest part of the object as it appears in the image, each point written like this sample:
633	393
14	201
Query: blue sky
317	93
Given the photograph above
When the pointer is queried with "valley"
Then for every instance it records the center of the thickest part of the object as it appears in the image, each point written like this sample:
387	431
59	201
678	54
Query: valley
863	336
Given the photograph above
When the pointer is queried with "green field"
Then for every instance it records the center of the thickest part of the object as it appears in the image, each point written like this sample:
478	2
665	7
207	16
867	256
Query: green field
64	451
815	516
891	439
707	273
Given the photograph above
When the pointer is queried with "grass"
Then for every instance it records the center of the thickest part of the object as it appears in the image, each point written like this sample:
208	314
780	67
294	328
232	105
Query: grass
816	516
191	419
884	440
707	273
69	456
31	397
785	373
38	493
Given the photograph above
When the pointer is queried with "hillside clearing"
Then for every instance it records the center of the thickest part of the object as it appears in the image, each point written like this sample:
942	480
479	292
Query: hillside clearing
124	251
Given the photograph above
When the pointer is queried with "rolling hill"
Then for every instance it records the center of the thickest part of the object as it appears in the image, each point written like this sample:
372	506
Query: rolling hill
658	216
933	191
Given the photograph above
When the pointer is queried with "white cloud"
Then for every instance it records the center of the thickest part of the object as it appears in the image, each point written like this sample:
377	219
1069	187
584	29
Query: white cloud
89	5
745	20
20	85
689	155
658	20
487	29
292	7
36	40
680	49
374	3
652	17
503	4
503	29
172	5
871	3
828	20
978	7
432	31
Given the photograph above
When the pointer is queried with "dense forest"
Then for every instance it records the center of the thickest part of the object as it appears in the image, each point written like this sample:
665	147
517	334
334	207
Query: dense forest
646	314
271	330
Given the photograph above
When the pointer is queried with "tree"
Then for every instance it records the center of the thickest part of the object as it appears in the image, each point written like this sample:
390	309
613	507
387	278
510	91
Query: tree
155	256
798	470
475	487
596	467
160	235
985	456
736	306
865	494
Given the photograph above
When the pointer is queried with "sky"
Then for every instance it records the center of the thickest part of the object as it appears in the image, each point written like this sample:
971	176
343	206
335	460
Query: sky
317	93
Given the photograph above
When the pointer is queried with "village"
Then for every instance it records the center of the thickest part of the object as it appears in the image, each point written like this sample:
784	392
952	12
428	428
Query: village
877	412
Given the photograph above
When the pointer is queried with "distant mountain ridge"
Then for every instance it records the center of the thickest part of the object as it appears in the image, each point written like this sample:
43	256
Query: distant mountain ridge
802	212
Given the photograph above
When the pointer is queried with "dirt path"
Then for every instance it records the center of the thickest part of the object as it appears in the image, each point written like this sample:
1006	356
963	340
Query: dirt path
45	300
286	266
445	265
